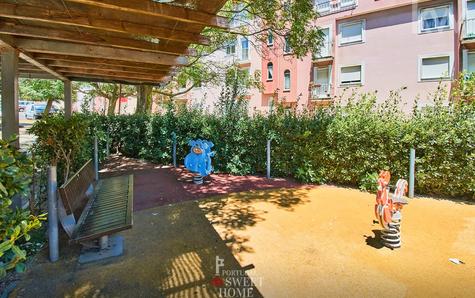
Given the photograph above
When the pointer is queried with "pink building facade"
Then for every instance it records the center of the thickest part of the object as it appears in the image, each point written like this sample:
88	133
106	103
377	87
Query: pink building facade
369	46
376	46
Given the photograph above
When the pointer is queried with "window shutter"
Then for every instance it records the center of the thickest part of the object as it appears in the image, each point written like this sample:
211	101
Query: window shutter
433	68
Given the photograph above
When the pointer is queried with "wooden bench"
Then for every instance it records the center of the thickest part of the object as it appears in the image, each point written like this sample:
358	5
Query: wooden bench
92	210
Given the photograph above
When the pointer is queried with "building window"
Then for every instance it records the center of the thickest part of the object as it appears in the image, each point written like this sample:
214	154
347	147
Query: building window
287	48
287	80
270	39
231	48
435	68
244	49
435	18
470	62
352	32
351	75
270	71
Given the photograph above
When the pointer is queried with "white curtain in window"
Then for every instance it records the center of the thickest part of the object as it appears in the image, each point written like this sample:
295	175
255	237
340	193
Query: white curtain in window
351	74
270	71
352	32
435	17
434	68
287	80
471	62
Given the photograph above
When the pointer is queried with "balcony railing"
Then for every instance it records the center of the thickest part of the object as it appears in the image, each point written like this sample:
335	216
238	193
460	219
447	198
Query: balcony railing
321	91
325	50
333	6
469	28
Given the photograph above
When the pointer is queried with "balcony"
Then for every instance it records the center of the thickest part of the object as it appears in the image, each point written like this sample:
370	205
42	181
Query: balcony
326	52
469	29
333	6
320	91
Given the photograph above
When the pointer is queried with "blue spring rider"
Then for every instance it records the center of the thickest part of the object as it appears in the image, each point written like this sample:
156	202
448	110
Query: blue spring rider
198	161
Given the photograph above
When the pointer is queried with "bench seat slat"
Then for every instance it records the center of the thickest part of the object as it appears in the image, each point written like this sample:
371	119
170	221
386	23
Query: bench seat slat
110	210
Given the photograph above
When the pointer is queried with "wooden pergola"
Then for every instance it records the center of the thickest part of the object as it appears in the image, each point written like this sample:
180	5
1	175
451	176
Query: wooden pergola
122	41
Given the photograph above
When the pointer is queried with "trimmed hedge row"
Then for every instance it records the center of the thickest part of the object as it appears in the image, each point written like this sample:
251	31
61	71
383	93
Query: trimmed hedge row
342	144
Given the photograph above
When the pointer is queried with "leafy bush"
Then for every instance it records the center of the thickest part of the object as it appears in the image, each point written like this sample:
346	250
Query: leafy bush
15	225
369	182
342	144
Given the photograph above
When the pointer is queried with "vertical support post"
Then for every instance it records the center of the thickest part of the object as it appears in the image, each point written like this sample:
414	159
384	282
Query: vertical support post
10	94
268	159
412	171
104	242
174	148
68	94
53	242
108	150
96	159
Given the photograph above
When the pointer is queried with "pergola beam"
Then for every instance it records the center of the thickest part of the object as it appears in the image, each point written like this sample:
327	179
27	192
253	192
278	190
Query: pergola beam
81	50
92	39
113	73
156	9
9	43
107	79
59	65
90	19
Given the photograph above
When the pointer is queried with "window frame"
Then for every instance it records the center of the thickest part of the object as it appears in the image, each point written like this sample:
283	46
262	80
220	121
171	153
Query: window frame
290	80
448	78
270	34
271	77
242	49
231	45
445	28
361	83
289	52
363	32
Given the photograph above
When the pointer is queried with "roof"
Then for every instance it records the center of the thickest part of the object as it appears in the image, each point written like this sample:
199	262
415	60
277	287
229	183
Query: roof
133	42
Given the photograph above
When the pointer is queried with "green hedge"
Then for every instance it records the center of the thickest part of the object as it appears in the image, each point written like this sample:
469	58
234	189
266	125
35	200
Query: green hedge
341	144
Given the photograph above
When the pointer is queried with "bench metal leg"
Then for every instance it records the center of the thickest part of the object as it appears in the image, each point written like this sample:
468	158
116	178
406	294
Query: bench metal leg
112	246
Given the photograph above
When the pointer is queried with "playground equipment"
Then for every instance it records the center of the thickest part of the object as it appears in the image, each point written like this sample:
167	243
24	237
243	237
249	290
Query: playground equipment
388	209
198	161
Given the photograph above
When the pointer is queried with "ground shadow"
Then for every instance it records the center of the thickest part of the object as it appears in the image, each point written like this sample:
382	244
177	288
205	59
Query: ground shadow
376	240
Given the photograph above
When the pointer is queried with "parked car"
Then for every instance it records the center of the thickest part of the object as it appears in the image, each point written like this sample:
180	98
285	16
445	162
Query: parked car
22	104
35	111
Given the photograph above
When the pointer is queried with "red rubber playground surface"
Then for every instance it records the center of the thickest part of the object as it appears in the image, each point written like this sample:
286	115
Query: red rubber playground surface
156	185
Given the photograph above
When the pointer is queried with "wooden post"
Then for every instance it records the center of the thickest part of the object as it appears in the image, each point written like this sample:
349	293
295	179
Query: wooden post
68	108
10	94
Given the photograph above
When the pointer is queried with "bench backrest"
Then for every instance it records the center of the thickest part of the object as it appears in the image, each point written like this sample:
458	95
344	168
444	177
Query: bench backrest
73	193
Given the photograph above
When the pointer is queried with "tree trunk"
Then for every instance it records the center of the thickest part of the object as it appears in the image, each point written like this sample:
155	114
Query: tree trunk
112	104
49	104
144	99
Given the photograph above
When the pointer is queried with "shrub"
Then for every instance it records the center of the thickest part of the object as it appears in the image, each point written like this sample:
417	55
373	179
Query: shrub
15	224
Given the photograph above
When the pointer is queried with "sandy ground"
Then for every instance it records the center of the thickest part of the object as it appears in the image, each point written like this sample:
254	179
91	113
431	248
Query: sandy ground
321	243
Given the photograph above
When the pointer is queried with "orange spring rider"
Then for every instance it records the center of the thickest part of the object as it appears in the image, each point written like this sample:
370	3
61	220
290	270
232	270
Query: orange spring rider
388	209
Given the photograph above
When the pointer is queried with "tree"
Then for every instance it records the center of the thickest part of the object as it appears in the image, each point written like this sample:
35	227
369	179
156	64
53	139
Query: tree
109	91
290	20
39	89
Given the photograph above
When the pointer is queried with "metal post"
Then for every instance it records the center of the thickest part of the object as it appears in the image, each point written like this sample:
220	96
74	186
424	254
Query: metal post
104	242
107	148
174	148
96	159
412	171
52	215
268	159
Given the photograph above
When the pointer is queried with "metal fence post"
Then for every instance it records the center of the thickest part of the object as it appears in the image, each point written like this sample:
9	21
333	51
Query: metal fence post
96	159
107	148
268	159
53	242
412	171
174	148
